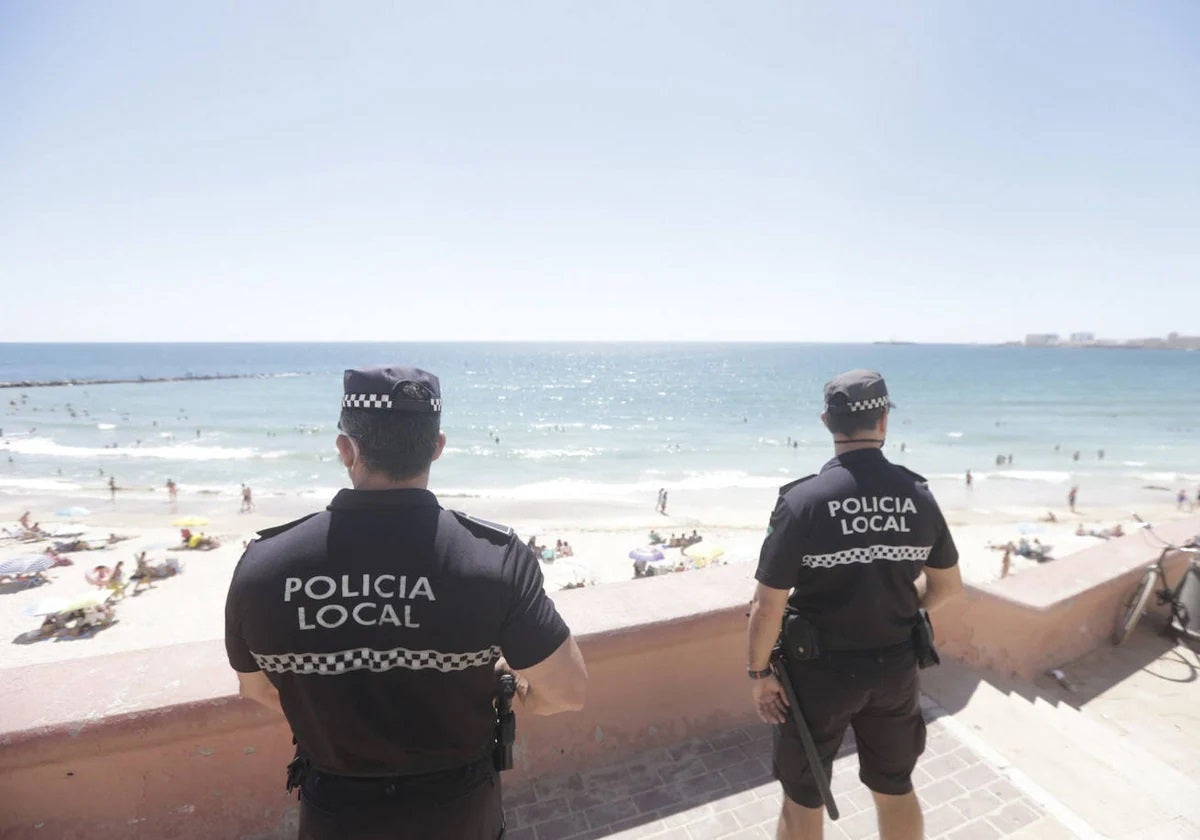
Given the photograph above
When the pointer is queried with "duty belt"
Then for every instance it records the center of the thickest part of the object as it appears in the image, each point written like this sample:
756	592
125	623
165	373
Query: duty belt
329	787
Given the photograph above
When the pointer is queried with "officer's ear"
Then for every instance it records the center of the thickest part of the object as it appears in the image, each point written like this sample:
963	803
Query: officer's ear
825	419
345	448
441	444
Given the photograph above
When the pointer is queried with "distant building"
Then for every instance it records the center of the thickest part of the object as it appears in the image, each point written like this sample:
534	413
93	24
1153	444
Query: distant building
1041	339
1183	342
1083	338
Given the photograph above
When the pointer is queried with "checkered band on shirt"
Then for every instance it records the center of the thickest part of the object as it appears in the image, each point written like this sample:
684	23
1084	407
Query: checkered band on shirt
899	553
366	401
867	405
368	659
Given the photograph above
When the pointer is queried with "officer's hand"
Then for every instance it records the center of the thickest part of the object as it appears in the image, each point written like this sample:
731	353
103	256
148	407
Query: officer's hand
769	700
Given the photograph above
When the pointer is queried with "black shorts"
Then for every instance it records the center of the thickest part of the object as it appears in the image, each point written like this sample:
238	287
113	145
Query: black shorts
461	804
879	697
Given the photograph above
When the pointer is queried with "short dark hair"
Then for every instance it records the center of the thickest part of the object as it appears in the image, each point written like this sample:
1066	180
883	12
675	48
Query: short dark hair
852	422
399	444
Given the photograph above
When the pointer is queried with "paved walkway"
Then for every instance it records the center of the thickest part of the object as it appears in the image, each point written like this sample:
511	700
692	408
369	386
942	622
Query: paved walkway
721	787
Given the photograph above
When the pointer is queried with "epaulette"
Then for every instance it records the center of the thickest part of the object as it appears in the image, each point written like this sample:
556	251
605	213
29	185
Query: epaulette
783	490
266	533
483	528
915	475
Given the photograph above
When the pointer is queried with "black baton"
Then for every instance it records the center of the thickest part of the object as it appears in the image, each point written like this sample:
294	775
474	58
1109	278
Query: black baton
806	738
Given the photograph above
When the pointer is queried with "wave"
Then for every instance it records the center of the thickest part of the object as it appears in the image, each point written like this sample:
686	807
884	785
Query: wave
1039	476
1169	477
954	434
541	454
50	484
105	427
47	447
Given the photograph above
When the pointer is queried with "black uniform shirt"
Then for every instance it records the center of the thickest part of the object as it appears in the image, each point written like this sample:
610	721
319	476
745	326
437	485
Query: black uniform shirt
379	621
850	541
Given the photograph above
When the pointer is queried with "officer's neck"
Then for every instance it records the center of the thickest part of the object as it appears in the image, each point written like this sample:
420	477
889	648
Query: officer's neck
365	480
850	443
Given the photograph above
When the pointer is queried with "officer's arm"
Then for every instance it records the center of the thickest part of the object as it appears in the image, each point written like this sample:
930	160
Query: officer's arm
556	684
937	586
255	686
766	617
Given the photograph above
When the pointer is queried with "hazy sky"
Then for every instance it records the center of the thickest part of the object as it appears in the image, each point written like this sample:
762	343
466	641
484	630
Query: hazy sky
792	171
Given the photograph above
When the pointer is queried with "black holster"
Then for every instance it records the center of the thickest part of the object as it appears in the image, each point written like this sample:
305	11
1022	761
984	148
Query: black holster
922	642
506	724
799	640
297	772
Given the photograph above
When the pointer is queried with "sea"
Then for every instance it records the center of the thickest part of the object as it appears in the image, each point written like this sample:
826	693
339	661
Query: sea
606	422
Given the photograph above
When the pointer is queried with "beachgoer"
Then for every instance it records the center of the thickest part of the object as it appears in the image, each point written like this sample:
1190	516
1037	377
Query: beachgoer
112	488
663	508
658	505
24	520
862	613
1075	457
1071	496
247	500
172	490
1006	563
969	478
1181	499
388	688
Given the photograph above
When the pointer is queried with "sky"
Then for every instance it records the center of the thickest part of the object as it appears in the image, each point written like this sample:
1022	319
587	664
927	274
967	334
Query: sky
674	171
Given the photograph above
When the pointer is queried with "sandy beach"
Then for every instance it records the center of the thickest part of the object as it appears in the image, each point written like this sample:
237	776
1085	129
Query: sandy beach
189	607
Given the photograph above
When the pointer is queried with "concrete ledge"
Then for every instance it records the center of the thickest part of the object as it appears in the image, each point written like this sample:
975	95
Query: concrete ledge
155	743
1045	616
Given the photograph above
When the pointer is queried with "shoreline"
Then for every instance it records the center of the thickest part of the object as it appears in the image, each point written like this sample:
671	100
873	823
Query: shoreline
138	380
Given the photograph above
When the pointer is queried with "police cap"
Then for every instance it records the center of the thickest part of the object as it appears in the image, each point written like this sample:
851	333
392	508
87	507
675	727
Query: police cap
389	388
856	390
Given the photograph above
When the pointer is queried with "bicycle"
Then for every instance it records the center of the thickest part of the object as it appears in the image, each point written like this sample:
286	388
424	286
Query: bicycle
1184	597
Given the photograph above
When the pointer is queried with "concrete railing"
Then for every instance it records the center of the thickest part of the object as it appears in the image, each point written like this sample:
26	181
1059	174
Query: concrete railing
1049	615
155	743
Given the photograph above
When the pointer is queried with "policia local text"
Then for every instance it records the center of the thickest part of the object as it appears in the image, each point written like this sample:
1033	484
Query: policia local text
886	514
366	613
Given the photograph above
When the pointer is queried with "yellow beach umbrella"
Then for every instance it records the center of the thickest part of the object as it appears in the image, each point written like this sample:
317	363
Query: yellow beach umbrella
189	522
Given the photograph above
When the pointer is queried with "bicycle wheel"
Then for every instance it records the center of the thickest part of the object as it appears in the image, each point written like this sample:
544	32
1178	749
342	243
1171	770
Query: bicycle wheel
1134	607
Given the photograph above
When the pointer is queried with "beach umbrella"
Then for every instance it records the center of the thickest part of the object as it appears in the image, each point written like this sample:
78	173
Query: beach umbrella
25	564
648	553
189	522
73	511
50	606
567	571
703	555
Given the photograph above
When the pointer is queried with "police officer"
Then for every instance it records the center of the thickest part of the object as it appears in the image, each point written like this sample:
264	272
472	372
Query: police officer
853	553
377	627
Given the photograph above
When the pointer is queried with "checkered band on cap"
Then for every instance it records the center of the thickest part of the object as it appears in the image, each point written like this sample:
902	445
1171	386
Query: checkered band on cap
383	401
867	405
898	553
366	401
377	661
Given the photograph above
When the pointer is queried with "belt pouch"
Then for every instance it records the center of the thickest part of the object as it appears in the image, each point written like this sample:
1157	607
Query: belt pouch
799	638
922	641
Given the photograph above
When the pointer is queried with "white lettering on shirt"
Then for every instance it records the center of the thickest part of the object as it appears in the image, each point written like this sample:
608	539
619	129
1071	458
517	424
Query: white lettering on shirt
866	514
365	600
